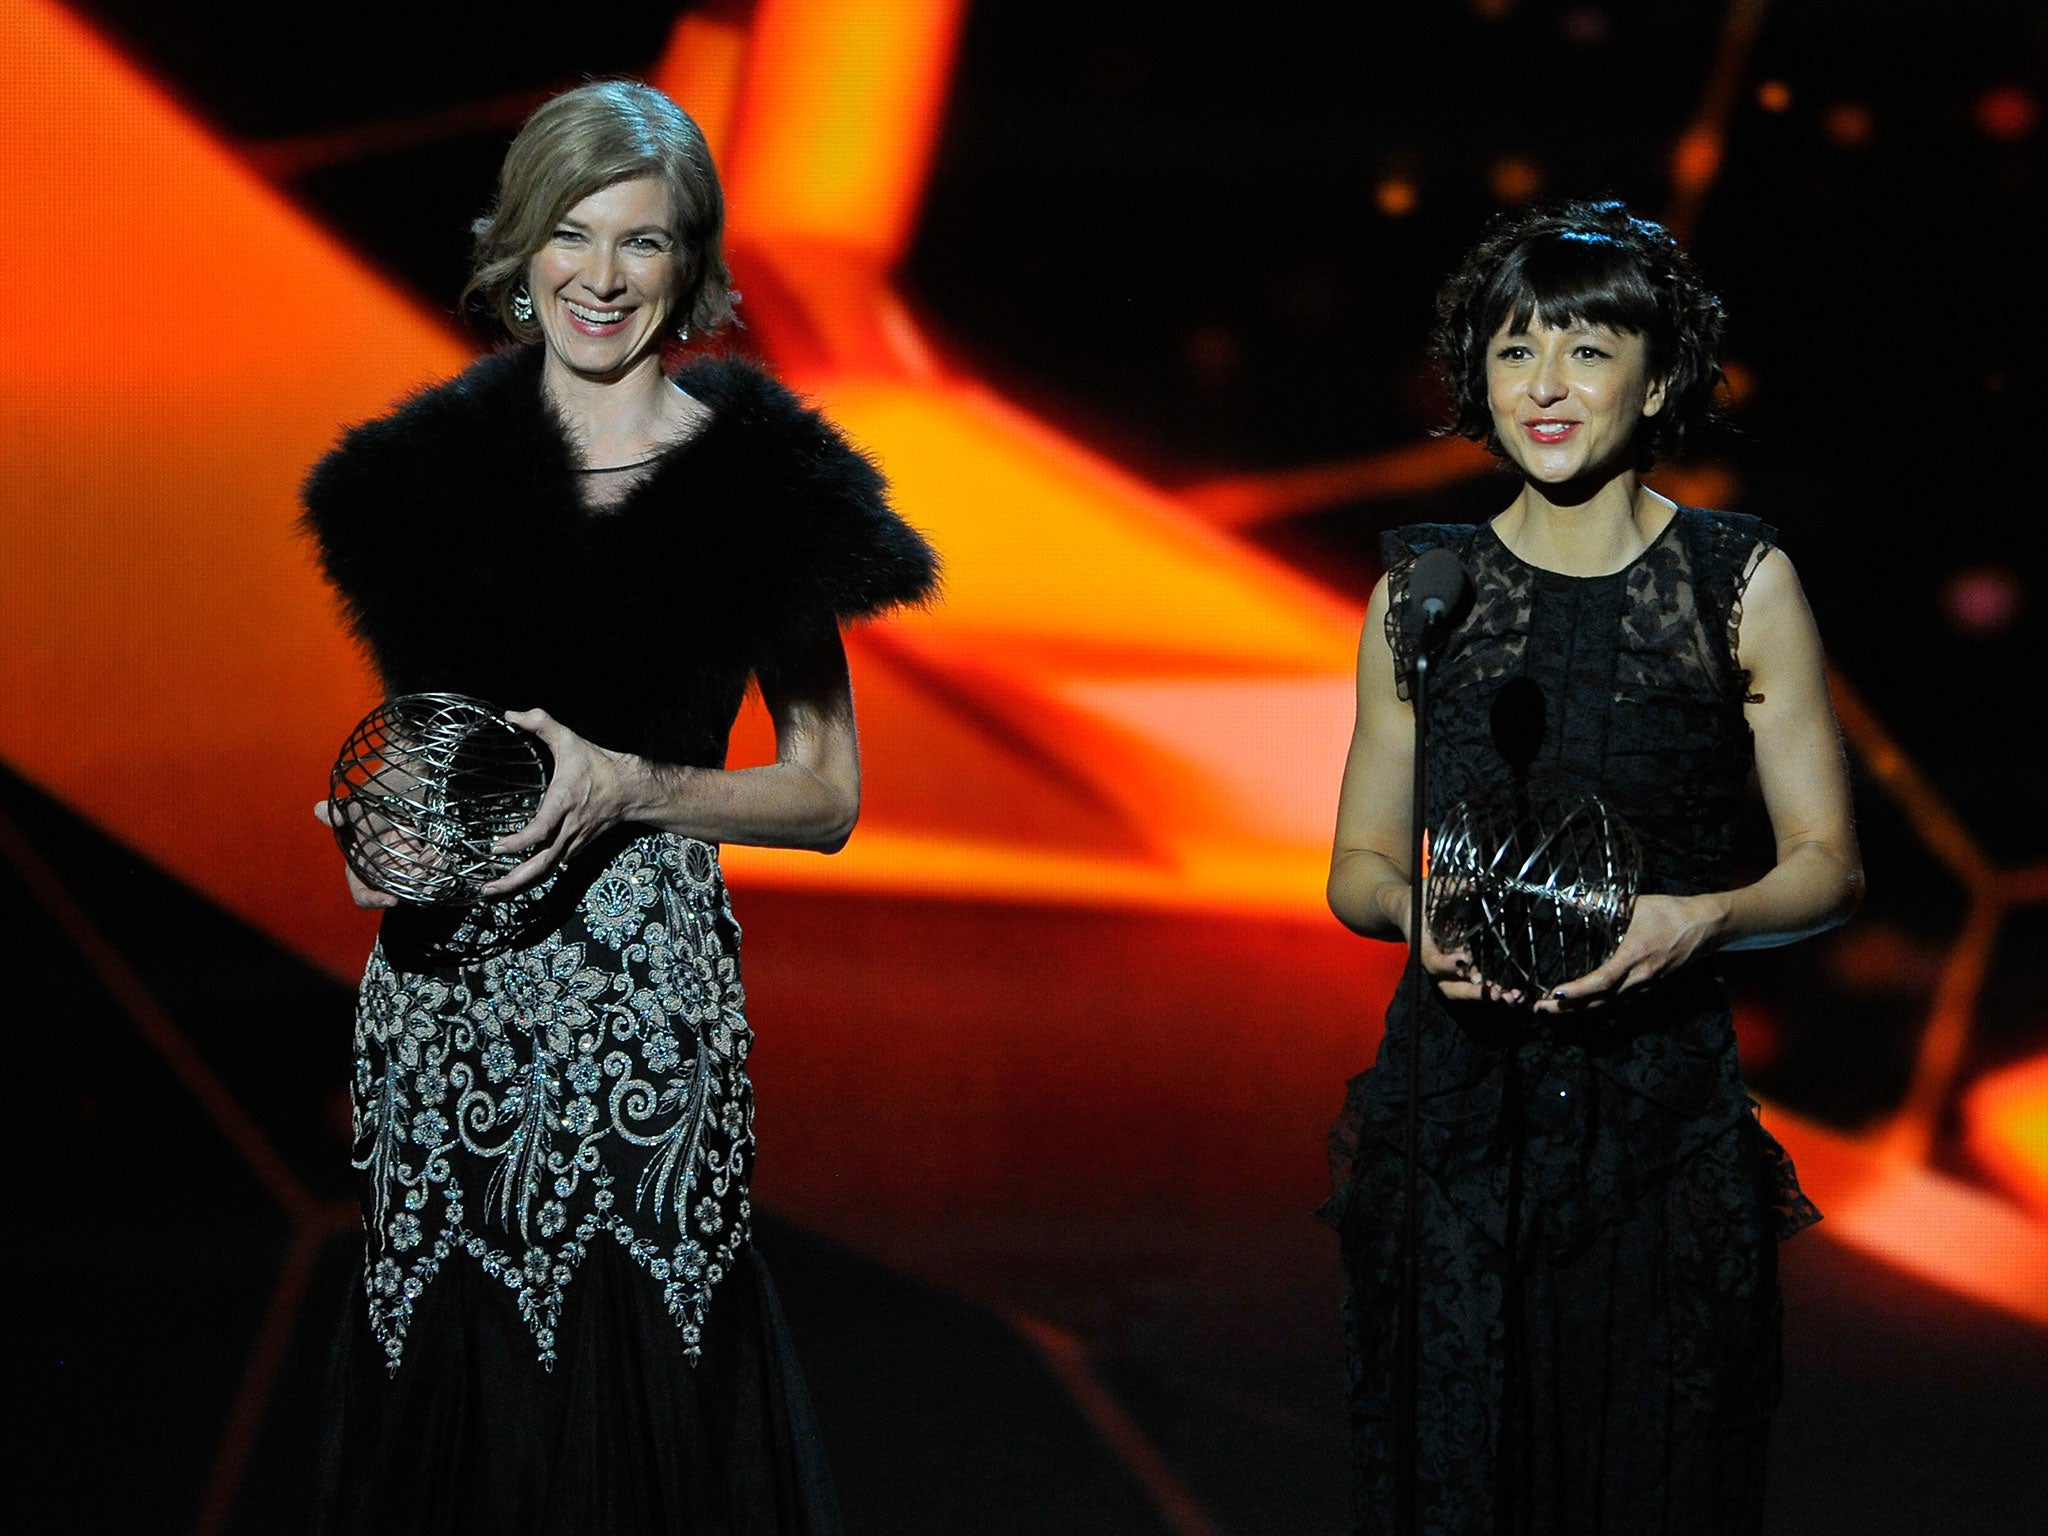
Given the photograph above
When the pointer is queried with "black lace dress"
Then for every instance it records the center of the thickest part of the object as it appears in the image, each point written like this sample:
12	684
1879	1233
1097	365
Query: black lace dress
1599	1206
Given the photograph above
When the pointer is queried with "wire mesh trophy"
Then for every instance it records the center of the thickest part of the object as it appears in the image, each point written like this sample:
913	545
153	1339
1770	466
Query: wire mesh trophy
422	788
1537	888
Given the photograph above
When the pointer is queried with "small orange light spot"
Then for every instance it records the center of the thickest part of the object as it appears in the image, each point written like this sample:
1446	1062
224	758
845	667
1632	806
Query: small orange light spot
1774	96
1394	197
1515	180
1737	382
2007	112
1849	125
1695	159
2006	1115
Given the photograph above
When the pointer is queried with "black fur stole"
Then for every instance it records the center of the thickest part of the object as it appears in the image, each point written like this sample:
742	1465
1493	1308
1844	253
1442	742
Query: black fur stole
467	562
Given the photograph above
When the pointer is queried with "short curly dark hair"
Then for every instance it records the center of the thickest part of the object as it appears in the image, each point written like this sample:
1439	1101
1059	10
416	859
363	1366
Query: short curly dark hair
1584	263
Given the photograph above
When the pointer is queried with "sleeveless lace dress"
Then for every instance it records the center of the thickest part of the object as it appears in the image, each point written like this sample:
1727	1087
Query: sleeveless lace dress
1599	1206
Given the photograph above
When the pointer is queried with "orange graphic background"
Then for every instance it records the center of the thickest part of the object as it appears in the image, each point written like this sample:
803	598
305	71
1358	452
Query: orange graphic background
1101	773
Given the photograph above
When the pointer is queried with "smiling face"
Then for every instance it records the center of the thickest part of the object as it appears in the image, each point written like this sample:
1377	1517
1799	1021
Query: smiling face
1568	400
604	284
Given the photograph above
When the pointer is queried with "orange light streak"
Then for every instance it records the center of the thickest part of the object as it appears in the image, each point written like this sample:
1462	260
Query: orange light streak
171	659
834	140
1042	536
1095	609
2006	1113
1952	1017
1696	158
1918	1221
1950	1022
702	69
1245	501
1160	707
282	159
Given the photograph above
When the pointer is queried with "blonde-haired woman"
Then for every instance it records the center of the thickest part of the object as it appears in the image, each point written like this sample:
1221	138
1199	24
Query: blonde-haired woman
562	1325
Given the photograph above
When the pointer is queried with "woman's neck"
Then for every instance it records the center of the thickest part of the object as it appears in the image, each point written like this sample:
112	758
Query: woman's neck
1596	534
622	418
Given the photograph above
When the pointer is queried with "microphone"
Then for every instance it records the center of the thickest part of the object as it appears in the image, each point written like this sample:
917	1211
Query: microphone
1439	591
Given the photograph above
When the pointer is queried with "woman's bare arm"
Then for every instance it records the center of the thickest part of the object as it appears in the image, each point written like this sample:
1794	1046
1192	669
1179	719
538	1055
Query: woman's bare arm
1370	888
809	797
1369	876
1817	879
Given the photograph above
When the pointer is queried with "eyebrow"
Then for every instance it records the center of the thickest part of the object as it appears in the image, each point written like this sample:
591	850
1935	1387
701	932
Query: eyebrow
565	222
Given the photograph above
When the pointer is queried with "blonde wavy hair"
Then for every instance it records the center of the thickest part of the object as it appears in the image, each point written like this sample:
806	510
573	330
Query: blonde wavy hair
581	142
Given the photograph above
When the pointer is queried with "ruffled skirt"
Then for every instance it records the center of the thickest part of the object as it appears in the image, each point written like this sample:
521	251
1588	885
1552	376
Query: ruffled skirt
1597	1292
624	1437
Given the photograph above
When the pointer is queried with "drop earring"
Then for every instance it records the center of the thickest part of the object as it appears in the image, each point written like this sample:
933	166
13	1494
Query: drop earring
522	306
683	331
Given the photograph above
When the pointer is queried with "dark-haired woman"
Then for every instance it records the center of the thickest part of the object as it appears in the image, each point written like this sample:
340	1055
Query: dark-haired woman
562	1326
1598	1206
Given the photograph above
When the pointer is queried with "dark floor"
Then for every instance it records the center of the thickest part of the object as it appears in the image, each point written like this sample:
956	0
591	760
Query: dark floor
153	1255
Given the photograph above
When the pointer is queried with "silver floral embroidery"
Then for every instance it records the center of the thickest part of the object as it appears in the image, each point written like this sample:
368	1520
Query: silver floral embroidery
592	1084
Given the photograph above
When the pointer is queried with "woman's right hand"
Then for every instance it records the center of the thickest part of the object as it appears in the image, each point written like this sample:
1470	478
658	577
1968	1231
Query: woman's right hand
366	896
1458	978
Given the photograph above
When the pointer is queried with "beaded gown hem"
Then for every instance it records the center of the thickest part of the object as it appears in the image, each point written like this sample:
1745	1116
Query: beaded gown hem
584	1086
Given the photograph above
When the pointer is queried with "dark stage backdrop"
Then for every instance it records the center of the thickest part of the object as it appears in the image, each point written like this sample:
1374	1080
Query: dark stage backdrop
1129	301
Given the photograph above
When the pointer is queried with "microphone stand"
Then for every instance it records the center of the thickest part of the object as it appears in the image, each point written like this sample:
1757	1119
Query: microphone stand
1415	982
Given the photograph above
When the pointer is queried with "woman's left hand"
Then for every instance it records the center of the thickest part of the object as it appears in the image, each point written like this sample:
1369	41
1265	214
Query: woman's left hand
587	794
1664	933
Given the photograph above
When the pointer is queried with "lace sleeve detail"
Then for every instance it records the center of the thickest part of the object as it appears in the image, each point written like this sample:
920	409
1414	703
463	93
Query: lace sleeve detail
1398	549
1397	625
1765	542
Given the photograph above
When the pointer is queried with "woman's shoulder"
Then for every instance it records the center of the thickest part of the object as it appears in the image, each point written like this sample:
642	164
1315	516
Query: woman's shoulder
1723	549
742	389
1399	546
497	384
493	400
1709	528
781	453
768	428
815	505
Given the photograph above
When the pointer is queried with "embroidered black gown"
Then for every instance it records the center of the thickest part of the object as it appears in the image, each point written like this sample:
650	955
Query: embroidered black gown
561	1325
1599	1206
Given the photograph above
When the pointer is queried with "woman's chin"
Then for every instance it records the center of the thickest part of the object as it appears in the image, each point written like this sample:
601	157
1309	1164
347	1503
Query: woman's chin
602	364
1572	481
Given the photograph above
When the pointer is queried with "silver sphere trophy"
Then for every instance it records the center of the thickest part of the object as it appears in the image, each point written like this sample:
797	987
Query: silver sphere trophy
1537	888
422	788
